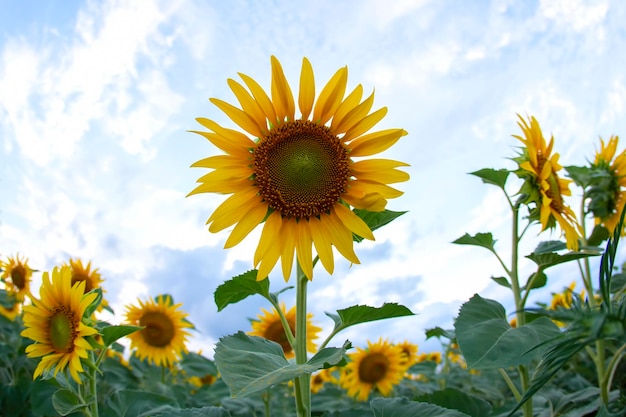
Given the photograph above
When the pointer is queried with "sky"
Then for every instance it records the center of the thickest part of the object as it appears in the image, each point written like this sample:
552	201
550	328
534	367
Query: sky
97	99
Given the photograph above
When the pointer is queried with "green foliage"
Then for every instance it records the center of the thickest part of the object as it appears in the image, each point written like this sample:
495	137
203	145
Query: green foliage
66	402
456	399
484	240
495	177
488	341
376	219
402	407
209	411
549	259
362	314
111	334
249	364
239	288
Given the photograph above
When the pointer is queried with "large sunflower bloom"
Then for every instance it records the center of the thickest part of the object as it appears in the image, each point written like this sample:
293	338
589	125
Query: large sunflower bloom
542	185
608	192
17	276
298	175
163	339
92	278
55	323
380	366
270	327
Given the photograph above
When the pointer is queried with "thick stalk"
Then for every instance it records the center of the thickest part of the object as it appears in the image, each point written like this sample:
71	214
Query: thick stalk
303	382
527	408
588	282
93	388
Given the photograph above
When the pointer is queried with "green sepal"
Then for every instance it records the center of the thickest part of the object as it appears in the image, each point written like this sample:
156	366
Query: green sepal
91	308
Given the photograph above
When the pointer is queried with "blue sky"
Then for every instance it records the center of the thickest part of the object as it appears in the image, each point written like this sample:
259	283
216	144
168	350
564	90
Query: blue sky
97	97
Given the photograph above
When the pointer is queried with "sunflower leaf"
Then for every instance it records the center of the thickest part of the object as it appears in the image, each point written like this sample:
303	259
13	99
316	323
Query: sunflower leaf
249	364
240	287
546	260
484	240
206	411
496	177
111	334
375	220
403	407
362	314
66	402
488	341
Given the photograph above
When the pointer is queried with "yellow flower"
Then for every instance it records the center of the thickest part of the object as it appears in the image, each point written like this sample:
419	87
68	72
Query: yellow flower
409	352
320	378
17	276
542	186
55	323
430	357
298	176
564	299
608	193
163	339
270	327
92	279
380	366
11	312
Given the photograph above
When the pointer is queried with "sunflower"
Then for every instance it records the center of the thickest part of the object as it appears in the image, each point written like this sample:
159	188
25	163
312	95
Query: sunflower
380	366
55	323
409	352
163	339
271	328
429	357
10	311
608	188
543	188
92	278
298	176
320	378
17	276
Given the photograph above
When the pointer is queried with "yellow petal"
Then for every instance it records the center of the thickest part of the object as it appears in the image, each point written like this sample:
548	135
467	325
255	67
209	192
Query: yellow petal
249	105
246	224
323	244
388	176
261	98
371	201
288	234
353	222
350	102
331	96
355	115
340	235
307	89
218	161
375	142
243	119
267	241
303	248
232	209
364	124
222	187
281	93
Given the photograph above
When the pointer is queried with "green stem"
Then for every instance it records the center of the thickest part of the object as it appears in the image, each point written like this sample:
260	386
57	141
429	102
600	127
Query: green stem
303	382
288	333
510	384
527	408
608	379
267	395
93	388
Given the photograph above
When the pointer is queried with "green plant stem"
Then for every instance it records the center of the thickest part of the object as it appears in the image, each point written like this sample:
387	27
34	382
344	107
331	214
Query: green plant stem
527	408
598	358
267	395
288	333
612	367
510	384
93	389
303	382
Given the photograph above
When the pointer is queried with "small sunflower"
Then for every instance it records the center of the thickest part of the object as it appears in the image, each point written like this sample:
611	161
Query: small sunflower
163	339
17	276
608	188
11	311
298	176
55	324
542	185
92	278
320	378
380	366
409	352
270	327
429	357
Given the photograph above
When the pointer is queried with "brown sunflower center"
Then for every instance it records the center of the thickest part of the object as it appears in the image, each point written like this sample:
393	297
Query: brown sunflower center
301	169
276	333
81	276
159	330
63	327
373	368
18	276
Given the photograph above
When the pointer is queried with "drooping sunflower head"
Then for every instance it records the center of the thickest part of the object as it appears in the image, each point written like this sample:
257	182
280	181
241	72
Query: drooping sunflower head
381	366
17	276
543	188
270	327
298	176
163	339
55	322
607	191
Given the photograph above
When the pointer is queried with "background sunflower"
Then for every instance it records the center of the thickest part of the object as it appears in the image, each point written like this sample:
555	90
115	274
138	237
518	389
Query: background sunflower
17	276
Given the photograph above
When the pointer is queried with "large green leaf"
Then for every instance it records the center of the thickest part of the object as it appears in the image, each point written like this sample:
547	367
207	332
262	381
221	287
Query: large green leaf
362	314
548	259
402	407
452	398
488	341
249	364
111	334
135	403
240	287
484	240
195	364
496	177
376	219
66	402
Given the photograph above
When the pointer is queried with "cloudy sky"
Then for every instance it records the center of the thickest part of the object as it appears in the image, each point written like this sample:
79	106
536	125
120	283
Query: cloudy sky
97	98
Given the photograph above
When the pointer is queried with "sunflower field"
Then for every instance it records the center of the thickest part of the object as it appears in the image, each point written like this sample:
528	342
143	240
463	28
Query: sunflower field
303	168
